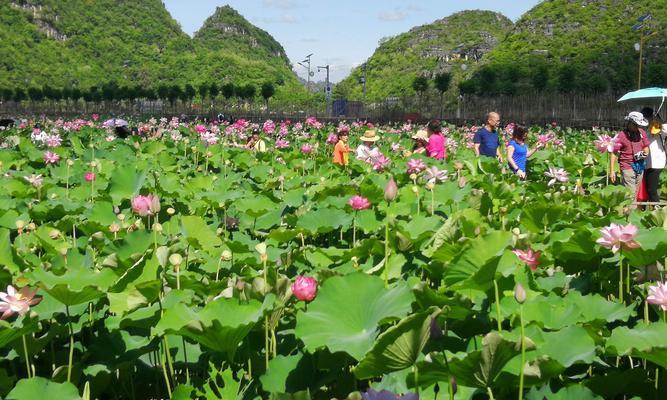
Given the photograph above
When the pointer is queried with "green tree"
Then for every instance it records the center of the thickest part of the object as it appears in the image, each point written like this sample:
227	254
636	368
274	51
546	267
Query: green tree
35	94
267	91
19	94
174	93
203	90
214	90
442	81
228	90
567	77
420	84
163	92
540	77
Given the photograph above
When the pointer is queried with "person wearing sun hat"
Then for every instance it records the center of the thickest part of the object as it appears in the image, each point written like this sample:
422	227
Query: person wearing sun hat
656	161
632	152
421	140
366	150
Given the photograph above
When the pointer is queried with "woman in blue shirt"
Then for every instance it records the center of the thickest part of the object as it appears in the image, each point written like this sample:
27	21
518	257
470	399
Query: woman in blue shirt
518	152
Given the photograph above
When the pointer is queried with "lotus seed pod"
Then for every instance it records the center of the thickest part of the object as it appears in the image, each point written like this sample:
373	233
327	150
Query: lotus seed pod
415	189
121	217
157	227
114	228
430	185
175	259
54	234
413	176
171	211
97	236
219	231
226	255
93	164
62	252
31	226
516	231
70	163
20	224
209	154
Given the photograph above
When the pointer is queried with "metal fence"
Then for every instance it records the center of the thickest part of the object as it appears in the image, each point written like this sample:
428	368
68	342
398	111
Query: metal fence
580	110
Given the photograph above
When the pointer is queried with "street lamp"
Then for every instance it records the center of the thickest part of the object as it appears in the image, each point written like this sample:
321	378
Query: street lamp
642	26
327	88
307	60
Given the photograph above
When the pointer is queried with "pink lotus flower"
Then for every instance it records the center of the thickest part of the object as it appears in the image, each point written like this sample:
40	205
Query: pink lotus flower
89	176
658	295
529	257
269	127
96	117
19	302
607	144
51	157
332	138
433	175
53	140
543	140
304	288
557	175
380	162
306	148
359	203
617	237
146	205
34	180
416	166
282	144
200	128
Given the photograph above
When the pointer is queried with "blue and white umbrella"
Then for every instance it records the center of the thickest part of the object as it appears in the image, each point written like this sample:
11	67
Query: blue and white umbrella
644	96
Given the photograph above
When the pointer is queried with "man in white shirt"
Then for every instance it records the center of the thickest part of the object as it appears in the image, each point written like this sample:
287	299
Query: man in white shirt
366	151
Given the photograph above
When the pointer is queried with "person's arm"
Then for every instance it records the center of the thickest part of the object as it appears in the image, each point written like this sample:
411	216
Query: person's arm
499	154
510	158
531	152
476	149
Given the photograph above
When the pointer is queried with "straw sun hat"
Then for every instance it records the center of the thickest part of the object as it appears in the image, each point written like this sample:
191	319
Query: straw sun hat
421	134
370	136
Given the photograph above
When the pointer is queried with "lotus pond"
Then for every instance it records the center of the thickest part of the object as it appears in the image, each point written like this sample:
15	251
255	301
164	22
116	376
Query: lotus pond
173	265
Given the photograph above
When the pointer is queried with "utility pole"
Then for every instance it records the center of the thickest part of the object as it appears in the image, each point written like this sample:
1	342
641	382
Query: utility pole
363	80
307	60
642	27
327	88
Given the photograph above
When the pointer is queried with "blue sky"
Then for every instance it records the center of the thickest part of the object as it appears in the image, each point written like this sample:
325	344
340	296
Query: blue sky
341	33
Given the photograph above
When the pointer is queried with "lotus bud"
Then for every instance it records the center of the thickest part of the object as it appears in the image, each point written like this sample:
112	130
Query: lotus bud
114	228
93	164
171	211
516	231
31	226
97	236
157	227
70	163
209	154
454	386
390	190
91	146
62	252
20	224
175	259
219	231
54	234
430	185
503	210
261	249
415	189
462	182
458	165
519	293
121	217
116	210
413	176
226	255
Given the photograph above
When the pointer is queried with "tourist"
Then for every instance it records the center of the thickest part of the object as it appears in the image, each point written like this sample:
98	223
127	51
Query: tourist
632	153
256	143
487	139
341	149
420	141
436	142
656	162
366	150
518	151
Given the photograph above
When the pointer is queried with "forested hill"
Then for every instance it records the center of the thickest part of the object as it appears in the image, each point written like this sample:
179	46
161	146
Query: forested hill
577	46
449	45
79	44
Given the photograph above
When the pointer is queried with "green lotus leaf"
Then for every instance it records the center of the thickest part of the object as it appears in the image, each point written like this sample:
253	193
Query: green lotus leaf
644	341
126	182
398	347
198	233
38	387
324	220
346	314
578	392
221	325
77	285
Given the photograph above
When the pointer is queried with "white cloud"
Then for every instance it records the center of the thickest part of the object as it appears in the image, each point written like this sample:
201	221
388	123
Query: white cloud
283	19
281	4
392	16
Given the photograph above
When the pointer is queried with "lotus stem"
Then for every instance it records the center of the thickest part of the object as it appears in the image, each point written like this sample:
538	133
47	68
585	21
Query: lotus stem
67	182
523	352
266	342
178	277
490	392
386	253
432	202
164	372
620	277
71	345
169	362
416	374
498	319
274	343
25	353
185	357
354	230
217	271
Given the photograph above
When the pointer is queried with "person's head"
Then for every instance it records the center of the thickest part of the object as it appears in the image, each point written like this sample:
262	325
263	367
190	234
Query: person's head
493	119
434	127
647	112
369	138
255	134
420	138
520	133
343	136
634	121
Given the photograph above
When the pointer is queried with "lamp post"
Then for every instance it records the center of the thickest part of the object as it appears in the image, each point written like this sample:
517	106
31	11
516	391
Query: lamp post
307	60
327	88
642	27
